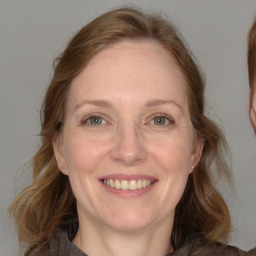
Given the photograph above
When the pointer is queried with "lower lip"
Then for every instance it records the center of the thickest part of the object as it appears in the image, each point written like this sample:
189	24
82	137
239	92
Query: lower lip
129	193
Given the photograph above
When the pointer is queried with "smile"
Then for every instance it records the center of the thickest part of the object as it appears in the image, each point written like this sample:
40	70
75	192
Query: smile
128	184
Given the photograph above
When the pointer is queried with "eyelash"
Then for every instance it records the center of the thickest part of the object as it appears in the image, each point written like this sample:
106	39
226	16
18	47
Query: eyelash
170	120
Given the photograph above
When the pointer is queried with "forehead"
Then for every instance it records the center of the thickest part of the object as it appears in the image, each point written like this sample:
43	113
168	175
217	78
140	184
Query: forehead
143	54
127	70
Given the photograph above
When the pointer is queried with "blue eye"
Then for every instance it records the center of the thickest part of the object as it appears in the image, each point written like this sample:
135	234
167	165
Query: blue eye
94	120
162	120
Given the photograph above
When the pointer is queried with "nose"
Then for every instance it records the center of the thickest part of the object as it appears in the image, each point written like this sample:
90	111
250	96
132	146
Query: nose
128	148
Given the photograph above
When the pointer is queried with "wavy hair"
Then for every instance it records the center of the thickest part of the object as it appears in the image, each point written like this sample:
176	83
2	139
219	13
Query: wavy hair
251	61
44	205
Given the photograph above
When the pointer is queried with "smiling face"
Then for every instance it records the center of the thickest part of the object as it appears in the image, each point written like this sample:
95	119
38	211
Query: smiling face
127	143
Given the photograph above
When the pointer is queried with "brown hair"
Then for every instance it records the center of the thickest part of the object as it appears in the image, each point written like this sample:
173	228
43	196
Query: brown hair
43	206
251	60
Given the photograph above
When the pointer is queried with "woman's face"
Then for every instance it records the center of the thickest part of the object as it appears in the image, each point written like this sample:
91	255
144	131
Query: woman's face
128	144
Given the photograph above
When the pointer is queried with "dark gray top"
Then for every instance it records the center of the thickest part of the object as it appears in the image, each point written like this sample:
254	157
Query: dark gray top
195	245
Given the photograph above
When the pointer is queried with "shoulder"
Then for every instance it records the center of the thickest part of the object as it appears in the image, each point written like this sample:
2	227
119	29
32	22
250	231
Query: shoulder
202	247
60	244
57	245
38	251
252	252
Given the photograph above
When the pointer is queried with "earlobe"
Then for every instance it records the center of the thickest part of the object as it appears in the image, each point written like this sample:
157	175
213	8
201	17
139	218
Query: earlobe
59	156
197	152
248	103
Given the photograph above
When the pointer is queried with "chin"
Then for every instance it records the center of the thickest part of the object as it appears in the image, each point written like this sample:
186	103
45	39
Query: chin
129	221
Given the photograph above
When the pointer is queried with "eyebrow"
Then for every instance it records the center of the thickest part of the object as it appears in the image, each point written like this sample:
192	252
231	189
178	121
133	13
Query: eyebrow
157	102
107	104
98	103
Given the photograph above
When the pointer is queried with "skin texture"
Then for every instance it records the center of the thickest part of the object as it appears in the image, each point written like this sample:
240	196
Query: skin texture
137	81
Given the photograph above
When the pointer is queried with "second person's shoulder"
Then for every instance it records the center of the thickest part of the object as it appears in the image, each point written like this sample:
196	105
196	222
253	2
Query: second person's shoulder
198	246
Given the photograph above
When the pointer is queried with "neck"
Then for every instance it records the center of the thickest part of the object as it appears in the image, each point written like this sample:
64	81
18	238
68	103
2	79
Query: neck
150	241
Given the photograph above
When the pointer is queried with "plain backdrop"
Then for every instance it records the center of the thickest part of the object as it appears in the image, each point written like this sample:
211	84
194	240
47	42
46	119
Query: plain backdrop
34	32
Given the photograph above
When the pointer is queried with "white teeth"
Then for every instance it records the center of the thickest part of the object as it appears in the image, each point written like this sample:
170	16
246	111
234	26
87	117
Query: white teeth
139	184
133	185
112	183
117	184
124	184
127	184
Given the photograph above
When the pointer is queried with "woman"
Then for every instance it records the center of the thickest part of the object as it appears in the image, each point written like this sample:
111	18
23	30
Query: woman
251	57
128	161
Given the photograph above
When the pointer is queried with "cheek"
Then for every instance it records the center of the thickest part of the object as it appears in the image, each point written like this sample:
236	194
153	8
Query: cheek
176	164
83	156
174	160
174	156
82	159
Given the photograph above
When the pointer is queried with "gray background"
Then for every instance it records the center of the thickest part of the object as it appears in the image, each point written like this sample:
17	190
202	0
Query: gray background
33	33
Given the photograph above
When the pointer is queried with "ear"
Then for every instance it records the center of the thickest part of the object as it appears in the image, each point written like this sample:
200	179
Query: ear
58	152
248	103
197	151
252	114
